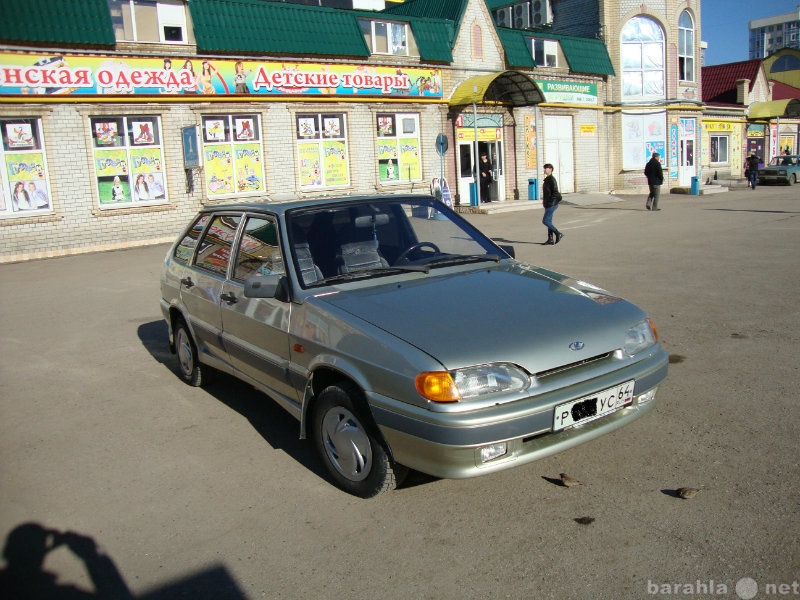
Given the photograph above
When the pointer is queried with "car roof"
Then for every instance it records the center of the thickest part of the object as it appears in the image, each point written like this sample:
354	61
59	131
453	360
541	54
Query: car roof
281	207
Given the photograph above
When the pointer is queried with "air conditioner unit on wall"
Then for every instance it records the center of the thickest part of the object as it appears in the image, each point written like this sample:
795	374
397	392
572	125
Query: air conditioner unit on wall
522	15
541	14
504	17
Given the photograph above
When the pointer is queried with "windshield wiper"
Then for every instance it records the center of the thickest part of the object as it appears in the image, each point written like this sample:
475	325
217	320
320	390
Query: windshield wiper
460	259
367	273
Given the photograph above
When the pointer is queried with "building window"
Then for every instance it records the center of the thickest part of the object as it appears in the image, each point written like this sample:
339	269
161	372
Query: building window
686	47
643	134
232	155
719	149
23	175
161	21
398	147
642	60
322	150
128	161
544	52
385	37
477	41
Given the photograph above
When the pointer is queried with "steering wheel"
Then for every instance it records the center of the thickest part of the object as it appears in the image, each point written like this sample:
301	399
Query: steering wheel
418	246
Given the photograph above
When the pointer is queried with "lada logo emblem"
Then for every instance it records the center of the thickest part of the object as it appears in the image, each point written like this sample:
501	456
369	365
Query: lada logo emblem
576	346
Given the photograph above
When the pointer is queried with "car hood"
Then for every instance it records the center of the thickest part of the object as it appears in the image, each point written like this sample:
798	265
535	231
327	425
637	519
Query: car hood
511	312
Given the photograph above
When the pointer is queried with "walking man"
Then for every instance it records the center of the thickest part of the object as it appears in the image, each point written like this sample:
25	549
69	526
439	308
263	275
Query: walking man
752	169
550	199
655	178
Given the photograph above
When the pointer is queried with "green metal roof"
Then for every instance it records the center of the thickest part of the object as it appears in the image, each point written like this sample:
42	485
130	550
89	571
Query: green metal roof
435	39
452	10
77	22
584	55
258	27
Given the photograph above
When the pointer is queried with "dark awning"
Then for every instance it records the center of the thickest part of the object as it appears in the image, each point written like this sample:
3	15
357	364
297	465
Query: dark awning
508	87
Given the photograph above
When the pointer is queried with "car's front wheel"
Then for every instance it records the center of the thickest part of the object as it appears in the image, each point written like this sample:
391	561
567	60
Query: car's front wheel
192	372
349	446
792	178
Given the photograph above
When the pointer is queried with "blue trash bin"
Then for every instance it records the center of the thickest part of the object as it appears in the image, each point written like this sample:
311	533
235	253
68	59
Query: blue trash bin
473	195
695	191
533	189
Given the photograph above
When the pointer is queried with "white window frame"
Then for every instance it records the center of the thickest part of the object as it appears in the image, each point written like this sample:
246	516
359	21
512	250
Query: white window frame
397	136
718	147
686	59
400	50
126	153
168	14
642	60
232	140
315	144
547	55
23	160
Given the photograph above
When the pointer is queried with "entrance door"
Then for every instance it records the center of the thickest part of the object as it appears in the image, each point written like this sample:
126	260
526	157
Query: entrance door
559	150
466	164
686	164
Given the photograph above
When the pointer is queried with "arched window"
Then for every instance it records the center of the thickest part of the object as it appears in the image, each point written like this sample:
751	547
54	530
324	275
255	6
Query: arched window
642	60
686	47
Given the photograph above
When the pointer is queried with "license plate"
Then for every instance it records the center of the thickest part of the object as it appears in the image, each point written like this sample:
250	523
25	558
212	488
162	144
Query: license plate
594	406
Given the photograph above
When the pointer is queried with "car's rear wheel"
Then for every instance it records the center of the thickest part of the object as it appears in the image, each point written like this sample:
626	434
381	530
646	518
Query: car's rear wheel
192	372
349	446
792	178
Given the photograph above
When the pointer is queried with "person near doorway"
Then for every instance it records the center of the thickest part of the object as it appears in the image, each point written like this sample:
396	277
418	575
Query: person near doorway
550	199
655	178
752	169
486	178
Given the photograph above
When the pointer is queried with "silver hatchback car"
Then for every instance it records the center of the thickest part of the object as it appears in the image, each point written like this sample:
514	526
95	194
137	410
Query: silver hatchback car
401	337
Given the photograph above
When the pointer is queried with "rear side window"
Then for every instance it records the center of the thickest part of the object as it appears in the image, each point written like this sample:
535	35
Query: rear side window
259	251
214	252
185	249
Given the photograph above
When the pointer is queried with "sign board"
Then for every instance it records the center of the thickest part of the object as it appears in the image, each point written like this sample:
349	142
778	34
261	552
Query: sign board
192	157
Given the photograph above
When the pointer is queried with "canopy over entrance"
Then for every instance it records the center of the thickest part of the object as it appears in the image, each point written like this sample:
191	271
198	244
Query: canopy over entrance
775	109
508	87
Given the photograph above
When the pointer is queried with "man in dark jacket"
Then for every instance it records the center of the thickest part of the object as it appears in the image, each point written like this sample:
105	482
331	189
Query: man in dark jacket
655	178
550	199
752	169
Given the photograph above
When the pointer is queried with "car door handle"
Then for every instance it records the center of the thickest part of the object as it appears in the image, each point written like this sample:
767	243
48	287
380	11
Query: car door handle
229	298
187	281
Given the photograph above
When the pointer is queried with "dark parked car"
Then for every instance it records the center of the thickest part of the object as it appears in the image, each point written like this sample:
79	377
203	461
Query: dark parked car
400	336
781	169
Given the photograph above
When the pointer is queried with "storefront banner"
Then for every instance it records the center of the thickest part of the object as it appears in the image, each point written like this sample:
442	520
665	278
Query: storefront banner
568	92
22	74
485	134
673	151
721	126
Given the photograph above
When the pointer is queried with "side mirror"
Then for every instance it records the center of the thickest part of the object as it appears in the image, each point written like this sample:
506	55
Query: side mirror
267	286
508	250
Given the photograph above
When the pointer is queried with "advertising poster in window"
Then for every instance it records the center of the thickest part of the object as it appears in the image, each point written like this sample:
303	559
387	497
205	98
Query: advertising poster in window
335	163
113	184
218	169
310	168
387	160
249	171
148	178
410	167
245	130
106	134
27	184
530	142
19	136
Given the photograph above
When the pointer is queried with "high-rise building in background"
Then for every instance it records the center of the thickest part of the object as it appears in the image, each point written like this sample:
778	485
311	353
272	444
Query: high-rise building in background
770	34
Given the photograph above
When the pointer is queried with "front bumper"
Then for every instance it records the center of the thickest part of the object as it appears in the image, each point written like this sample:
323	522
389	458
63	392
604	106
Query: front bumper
449	445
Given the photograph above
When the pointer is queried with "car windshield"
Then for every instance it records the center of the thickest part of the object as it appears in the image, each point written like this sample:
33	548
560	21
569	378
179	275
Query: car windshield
784	160
360	239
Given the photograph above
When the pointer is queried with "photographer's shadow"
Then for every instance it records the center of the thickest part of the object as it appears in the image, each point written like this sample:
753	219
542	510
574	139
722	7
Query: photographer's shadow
24	576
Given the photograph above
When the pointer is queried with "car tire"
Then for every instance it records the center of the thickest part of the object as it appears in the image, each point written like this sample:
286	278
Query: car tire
793	179
348	443
191	371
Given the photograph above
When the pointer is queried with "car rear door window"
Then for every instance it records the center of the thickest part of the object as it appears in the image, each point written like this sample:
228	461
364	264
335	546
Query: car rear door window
259	250
214	253
185	249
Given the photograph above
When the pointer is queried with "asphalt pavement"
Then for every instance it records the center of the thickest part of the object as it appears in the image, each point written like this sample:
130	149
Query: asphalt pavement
118	479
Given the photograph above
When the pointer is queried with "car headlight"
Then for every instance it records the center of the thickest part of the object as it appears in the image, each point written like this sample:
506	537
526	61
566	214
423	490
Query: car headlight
640	337
471	382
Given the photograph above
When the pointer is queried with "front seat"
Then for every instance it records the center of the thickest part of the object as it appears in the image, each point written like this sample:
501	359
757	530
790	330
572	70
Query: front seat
360	256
